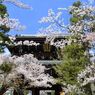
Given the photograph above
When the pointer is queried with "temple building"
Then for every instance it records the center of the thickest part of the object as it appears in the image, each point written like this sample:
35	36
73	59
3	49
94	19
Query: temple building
44	52
35	45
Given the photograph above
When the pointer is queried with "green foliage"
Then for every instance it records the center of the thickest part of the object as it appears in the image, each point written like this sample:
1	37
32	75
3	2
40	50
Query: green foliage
74	17
6	67
77	4
4	28
74	51
74	61
4	37
3	10
74	20
74	58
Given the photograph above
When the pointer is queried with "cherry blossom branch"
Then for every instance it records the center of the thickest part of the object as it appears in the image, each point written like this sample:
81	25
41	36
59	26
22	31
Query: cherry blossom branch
11	23
18	3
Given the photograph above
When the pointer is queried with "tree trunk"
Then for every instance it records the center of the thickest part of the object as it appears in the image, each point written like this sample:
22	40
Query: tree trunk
3	89
18	92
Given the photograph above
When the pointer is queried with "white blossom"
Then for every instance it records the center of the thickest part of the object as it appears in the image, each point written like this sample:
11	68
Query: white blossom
73	89
30	43
11	23
62	9
16	43
61	44
29	66
12	38
1	59
87	75
26	42
90	36
86	24
1	41
55	20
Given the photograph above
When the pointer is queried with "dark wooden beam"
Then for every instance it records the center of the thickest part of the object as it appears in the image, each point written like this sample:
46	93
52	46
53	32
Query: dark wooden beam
35	91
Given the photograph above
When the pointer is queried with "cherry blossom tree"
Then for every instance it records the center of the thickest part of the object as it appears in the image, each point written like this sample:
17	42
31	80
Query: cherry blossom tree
12	23
17	3
26	72
7	24
56	25
32	70
82	18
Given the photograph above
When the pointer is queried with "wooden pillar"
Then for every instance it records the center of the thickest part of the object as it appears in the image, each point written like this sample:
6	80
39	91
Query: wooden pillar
35	91
57	92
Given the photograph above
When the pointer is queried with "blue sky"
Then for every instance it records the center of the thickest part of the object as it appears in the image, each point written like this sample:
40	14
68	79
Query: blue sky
30	18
